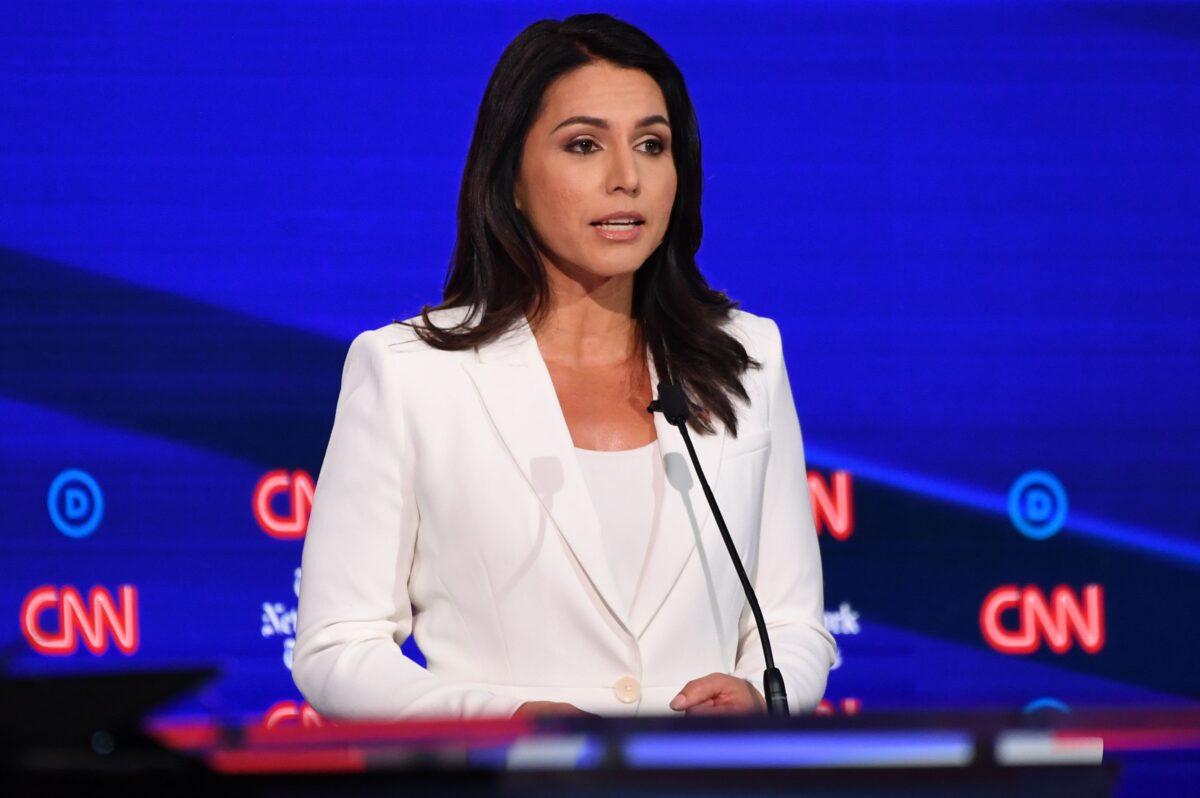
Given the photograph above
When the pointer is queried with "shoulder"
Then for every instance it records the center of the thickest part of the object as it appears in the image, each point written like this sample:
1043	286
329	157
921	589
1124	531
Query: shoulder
399	338
759	334
394	353
764	342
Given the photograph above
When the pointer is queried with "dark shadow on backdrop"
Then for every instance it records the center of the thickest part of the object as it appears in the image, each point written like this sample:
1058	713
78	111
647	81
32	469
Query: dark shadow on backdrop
151	361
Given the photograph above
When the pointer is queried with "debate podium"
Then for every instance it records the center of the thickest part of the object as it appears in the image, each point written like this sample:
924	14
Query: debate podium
59	738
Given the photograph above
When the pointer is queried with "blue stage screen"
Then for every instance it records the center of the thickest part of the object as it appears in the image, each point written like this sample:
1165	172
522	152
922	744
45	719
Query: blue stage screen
977	225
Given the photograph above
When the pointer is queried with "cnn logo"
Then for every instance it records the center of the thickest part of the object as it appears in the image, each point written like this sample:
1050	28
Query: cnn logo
846	706
290	714
1060	621
832	503
298	488
96	622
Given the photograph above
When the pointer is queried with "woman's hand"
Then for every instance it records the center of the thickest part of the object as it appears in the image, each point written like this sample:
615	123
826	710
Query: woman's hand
720	694
535	708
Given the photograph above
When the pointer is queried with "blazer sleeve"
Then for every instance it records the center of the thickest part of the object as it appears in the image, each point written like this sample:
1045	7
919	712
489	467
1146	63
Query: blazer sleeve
354	609
787	576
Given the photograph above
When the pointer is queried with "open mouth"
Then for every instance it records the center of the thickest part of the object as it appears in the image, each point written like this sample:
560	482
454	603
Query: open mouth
614	225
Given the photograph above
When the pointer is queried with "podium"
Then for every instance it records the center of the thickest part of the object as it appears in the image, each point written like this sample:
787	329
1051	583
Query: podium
56	742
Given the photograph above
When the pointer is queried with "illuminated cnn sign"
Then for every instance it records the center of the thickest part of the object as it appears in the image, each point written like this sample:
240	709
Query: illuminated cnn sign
1058	622
97	621
298	488
284	714
846	706
832	505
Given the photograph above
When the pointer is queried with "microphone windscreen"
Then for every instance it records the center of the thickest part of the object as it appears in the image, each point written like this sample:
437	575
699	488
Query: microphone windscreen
673	403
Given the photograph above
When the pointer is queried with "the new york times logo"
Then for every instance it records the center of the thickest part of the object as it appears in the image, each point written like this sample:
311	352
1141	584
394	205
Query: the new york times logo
279	620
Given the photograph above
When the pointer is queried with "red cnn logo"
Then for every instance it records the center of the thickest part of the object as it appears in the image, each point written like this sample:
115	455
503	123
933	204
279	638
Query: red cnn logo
1058	621
284	714
299	486
847	706
832	507
98	621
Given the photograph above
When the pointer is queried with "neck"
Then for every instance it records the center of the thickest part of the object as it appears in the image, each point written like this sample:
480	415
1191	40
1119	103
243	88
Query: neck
590	320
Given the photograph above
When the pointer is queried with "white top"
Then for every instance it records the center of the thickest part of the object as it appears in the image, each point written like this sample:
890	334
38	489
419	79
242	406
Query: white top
626	487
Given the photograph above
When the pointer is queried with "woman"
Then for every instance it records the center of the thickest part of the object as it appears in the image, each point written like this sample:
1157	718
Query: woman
494	483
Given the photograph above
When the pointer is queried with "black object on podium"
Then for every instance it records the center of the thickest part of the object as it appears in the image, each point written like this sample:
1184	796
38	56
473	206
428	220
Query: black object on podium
673	404
85	729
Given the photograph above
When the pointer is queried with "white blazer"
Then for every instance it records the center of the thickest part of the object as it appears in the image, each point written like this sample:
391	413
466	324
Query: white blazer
451	505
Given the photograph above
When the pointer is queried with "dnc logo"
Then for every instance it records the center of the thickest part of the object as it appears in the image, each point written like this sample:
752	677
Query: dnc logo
75	503
1037	505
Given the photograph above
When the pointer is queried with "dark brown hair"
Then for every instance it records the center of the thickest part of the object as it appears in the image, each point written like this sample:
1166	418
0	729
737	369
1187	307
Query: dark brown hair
495	270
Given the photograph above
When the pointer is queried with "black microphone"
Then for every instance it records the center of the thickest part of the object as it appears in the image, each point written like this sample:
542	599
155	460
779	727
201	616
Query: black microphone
673	404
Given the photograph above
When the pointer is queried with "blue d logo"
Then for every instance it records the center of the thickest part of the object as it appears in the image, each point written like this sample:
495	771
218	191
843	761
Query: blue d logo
1037	504
1045	703
75	503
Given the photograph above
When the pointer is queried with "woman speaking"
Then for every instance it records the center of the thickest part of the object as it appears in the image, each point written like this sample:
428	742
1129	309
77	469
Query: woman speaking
494	483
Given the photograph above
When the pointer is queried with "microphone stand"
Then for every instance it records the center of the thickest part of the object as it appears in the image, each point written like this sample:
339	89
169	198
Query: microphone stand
673	404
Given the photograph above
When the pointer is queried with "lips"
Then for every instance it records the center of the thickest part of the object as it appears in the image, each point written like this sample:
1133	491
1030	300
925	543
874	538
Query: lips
618	217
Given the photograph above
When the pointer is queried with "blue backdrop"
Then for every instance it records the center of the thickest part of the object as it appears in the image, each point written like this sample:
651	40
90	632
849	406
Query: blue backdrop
976	224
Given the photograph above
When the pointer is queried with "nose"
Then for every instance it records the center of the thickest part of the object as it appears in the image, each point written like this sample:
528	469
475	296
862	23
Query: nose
623	173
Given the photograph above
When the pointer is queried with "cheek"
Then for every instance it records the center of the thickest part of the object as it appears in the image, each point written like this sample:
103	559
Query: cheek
665	199
560	207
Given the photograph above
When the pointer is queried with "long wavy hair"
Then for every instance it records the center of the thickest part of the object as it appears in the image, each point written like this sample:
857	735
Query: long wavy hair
495	270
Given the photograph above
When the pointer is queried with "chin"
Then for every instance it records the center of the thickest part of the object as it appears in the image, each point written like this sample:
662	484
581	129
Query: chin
611	270
610	264
619	263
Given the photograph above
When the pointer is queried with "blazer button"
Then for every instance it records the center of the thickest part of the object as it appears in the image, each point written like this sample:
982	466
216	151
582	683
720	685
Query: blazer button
627	689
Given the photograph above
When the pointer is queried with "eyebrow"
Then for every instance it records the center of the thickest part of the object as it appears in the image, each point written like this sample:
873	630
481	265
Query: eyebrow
596	121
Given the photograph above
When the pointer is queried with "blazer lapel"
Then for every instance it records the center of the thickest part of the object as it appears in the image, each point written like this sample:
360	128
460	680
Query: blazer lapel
518	395
684	514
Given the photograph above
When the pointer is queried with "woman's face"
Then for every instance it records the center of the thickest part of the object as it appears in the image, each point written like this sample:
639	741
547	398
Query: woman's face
576	171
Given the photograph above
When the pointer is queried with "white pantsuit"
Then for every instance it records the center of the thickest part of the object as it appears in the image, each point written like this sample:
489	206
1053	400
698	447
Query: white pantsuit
451	504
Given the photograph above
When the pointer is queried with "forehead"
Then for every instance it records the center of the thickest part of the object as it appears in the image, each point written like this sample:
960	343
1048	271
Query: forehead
602	89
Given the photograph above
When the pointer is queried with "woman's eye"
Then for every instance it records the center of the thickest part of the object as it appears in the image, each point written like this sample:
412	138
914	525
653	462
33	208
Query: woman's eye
572	146
657	147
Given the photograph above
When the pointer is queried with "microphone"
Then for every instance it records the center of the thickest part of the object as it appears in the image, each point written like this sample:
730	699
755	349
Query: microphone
673	404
